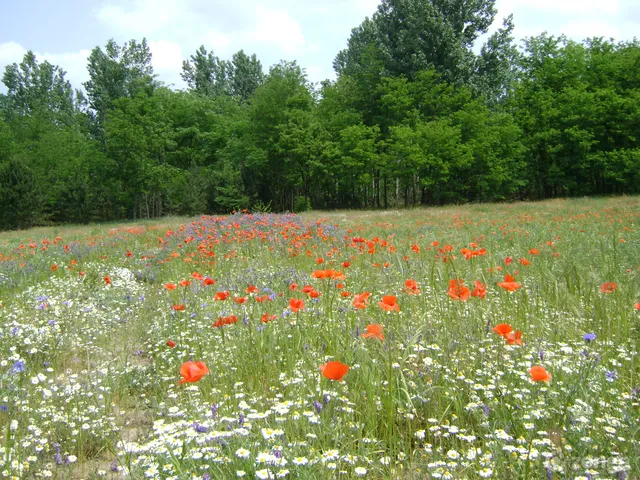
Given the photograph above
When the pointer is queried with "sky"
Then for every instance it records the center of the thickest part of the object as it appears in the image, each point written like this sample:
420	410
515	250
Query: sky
311	32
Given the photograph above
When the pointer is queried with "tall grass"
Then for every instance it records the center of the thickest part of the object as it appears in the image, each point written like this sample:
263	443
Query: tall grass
92	342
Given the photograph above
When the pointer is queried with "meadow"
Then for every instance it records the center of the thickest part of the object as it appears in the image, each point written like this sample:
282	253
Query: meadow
484	341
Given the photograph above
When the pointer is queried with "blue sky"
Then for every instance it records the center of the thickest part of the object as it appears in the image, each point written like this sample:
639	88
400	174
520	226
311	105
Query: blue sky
311	32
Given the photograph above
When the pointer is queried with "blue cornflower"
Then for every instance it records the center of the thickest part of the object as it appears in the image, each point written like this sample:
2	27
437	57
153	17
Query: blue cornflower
589	337
611	375
17	367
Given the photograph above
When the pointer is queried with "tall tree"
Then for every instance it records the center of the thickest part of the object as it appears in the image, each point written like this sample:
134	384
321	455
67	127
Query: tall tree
117	72
414	35
247	75
206	74
38	90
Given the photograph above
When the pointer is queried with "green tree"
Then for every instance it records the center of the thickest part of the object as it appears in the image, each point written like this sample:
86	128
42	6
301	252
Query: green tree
117	72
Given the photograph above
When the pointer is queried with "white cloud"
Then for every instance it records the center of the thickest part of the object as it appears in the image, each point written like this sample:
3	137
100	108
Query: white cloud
220	43
144	17
11	52
166	55
279	28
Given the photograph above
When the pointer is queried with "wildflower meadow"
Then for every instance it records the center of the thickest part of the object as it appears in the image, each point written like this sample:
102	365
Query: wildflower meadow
486	341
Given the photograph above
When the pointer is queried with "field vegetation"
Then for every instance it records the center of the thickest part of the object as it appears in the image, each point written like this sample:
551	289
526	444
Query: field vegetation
485	341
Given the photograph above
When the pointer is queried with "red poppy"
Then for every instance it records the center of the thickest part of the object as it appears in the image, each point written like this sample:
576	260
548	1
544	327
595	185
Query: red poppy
171	343
389	303
185	283
220	296
503	329
192	371
480	289
239	300
222	321
334	370
525	262
197	275
251	289
346	264
54	267
458	290
267	318
107	280
170	286
539	374
178	308
296	304
411	287
509	283
535	251
508	260
293	287
637	306
608	287
208	281
514	338
374	330
360	300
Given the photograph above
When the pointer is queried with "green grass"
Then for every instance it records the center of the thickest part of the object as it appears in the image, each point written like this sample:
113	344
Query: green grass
89	387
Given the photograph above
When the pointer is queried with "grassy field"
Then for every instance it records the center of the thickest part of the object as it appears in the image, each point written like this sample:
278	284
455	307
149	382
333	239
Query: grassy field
486	341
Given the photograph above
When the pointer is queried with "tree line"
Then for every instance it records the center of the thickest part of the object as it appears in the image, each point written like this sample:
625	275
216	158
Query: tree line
414	117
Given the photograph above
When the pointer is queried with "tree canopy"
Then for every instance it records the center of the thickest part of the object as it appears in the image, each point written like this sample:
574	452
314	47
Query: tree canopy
419	114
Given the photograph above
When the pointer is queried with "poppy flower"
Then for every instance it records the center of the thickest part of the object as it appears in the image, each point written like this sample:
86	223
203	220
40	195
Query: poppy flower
480	289
171	343
514	338
508	260
197	276
525	262
411	287
54	267
637	306
334	370
208	281
296	304
458	290
185	283
178	308
509	283
192	372
251	289
239	300
170	286
107	280
389	303
503	329
608	287
360	300
267	318
220	296
374	330
346	264
535	251
293	287
539	374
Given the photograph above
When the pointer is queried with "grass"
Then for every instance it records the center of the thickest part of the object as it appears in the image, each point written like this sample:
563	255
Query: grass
92	342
